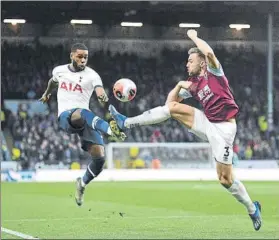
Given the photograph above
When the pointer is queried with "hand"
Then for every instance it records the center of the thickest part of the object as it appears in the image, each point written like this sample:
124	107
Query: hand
191	33
45	98
184	84
103	98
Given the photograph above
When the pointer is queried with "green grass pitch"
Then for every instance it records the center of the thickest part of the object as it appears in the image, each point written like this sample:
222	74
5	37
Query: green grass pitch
137	210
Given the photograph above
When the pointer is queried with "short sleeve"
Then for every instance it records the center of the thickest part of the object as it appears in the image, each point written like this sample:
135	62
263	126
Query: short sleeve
55	75
97	81
183	93
216	71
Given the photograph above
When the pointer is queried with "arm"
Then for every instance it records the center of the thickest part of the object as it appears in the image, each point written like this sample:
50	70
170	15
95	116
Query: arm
177	94
173	95
103	100
99	90
204	48
52	84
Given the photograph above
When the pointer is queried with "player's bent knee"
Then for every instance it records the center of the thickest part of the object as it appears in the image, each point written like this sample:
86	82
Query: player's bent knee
76	119
173	107
96	151
179	108
182	112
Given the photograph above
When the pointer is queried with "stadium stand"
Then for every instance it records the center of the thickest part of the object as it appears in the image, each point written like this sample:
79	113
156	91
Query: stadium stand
26	77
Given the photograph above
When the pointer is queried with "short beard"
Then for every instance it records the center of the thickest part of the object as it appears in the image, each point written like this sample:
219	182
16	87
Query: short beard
76	67
195	74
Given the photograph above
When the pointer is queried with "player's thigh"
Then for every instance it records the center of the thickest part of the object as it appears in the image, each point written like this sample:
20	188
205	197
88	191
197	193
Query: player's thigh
182	112
92	142
64	122
221	137
200	125
76	119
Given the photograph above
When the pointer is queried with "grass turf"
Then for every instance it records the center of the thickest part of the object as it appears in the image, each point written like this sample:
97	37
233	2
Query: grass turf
142	210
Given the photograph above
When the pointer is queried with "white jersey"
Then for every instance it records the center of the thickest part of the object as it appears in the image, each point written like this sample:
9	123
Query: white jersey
74	88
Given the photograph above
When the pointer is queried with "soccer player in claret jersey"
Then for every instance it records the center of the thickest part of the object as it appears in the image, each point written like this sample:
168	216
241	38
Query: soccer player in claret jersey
208	84
76	82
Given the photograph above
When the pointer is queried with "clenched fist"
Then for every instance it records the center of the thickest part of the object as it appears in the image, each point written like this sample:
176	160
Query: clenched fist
192	33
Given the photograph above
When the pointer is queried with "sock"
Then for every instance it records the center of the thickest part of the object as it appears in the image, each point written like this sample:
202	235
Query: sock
88	175
153	116
95	122
238	190
93	170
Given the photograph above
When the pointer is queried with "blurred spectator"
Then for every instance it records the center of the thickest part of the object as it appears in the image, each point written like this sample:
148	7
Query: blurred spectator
248	152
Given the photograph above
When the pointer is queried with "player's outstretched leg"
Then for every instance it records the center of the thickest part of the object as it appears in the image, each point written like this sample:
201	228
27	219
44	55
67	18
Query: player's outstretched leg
81	116
238	190
95	122
152	116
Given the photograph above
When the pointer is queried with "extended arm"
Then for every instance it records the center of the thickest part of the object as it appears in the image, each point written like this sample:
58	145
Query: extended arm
50	86
204	48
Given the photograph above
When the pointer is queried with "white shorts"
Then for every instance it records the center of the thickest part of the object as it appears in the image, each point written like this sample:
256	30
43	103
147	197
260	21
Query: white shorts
219	135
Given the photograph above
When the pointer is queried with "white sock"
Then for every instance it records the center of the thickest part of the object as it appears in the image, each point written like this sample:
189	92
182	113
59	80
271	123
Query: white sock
152	116
82	183
238	190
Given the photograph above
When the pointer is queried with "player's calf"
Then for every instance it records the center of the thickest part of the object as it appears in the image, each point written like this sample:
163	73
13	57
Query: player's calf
180	112
225	180
94	168
235	187
239	192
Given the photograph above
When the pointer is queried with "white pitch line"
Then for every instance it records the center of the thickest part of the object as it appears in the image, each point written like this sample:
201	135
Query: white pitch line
18	234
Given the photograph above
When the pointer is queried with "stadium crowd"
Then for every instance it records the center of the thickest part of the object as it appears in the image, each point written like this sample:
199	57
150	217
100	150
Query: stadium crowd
27	68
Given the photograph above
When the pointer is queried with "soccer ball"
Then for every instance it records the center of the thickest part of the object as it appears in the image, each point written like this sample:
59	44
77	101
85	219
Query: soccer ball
124	90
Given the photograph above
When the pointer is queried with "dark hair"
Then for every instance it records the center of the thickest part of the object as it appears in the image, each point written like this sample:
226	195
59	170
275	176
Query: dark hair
77	46
196	50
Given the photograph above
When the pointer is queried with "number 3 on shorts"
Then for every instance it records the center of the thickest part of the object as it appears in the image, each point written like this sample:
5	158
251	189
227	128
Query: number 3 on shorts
227	153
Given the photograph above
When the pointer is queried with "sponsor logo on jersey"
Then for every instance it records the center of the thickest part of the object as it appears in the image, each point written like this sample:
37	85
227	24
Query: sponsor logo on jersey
71	87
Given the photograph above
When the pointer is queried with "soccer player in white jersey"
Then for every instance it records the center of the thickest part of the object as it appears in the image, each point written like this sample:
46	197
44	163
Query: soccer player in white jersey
76	82
208	84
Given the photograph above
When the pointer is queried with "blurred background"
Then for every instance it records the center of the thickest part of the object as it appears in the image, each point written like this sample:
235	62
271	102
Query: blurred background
146	42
